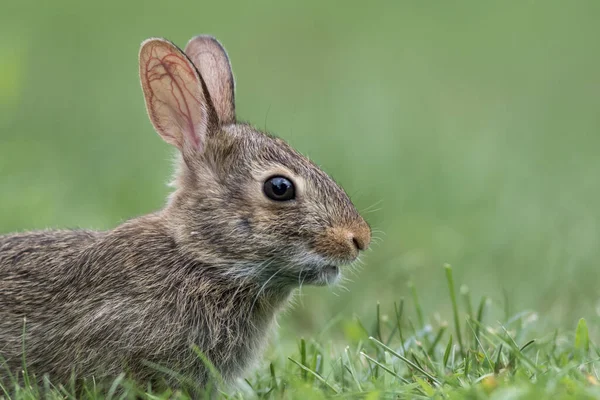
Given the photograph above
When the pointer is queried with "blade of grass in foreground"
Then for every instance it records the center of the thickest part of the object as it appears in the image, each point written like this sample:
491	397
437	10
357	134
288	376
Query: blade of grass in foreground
406	360
447	352
398	311
317	376
516	351
384	367
465	295
418	308
303	357
378	327
450	279
351	369
479	320
582	339
480	345
438	337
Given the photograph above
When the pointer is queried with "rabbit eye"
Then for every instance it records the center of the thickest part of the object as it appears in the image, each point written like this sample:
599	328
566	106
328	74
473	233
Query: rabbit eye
279	188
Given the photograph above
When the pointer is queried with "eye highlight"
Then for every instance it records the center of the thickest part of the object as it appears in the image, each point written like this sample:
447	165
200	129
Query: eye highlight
279	188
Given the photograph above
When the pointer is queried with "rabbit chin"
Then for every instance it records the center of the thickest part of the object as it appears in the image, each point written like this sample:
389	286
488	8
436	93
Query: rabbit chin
320	275
314	269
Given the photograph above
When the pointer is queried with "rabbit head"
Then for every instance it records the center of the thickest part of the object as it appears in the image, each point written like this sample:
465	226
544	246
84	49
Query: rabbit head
245	201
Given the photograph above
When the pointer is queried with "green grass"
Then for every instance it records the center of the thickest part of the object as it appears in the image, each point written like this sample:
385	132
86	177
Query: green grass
405	356
466	131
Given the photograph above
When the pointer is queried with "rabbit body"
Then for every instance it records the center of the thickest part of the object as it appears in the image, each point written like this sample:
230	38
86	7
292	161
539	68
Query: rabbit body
250	219
98	303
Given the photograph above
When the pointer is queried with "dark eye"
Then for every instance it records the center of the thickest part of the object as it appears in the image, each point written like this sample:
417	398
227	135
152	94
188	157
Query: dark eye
279	188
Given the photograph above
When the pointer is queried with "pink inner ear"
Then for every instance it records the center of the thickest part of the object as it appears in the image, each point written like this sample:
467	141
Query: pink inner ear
212	62
174	96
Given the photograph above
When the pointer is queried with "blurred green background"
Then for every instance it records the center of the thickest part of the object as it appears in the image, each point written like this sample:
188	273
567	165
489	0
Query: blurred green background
470	130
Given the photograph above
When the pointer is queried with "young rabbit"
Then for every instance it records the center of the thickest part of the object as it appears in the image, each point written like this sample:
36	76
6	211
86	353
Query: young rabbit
249	220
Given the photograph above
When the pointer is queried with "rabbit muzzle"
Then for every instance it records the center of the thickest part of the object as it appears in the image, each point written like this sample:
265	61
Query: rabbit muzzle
344	244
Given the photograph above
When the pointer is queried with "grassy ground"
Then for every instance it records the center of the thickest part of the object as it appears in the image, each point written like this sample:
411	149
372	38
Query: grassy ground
466	131
406	355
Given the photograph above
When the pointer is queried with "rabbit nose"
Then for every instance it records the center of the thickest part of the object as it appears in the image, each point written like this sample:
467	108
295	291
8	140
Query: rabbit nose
345	242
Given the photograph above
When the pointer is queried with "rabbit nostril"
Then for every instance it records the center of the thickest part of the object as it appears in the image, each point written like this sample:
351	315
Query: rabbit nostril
360	240
357	243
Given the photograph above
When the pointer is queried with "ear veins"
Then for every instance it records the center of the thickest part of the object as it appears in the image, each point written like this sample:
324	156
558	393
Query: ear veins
156	69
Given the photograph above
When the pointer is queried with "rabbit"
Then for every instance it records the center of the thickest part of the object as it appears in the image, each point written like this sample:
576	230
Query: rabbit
248	220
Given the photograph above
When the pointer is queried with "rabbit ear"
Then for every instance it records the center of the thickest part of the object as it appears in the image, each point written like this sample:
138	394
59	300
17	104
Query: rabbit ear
175	98
212	62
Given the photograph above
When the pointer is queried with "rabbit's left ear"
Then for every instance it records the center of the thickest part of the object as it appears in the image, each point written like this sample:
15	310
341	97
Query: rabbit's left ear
211	60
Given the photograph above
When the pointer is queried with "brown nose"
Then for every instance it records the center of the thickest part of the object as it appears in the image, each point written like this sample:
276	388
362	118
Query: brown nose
344	242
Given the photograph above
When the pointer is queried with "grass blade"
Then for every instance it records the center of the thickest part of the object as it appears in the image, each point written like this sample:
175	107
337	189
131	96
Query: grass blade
490	363
418	308
450	279
516	351
24	361
466	296
480	311
498	360
383	367
447	352
582	339
406	360
378	327
437	339
352	370
303	357
317	376
114	386
273	376
399	312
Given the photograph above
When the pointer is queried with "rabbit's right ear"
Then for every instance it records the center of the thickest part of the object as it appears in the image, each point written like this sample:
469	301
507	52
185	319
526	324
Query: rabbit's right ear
210	57
175	96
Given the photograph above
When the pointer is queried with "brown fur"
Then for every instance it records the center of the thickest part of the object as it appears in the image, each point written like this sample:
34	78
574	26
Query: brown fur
212	269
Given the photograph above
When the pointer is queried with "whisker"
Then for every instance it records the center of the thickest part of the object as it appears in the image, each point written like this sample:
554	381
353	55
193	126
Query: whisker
300	283
264	285
376	231
371	206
